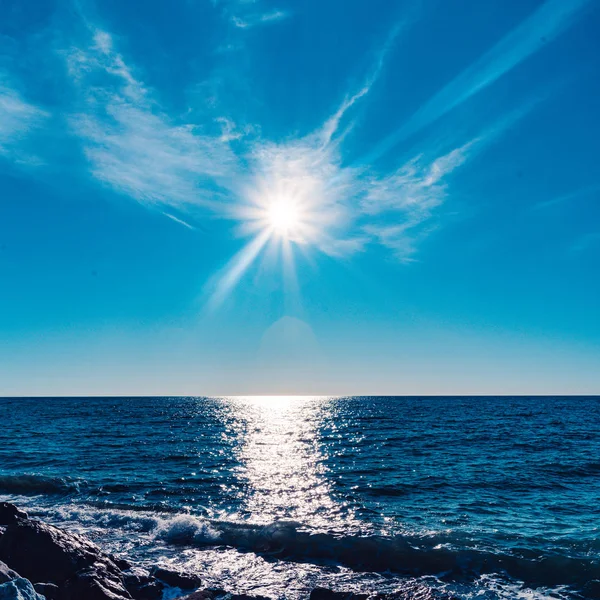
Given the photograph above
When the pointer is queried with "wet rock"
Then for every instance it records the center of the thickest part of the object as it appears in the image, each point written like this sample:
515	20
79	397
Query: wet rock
48	590
325	594
47	554
122	563
95	583
6	573
9	513
19	589
136	575
185	581
141	585
70	567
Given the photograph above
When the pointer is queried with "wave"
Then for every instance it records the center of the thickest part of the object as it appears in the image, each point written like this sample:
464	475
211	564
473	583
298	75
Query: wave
446	556
589	469
39	484
188	529
399	554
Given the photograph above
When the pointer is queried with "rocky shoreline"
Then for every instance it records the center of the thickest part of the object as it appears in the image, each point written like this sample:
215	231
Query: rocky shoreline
39	561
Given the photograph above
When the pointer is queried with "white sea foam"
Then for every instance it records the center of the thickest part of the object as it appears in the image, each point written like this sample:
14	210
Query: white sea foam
516	591
187	529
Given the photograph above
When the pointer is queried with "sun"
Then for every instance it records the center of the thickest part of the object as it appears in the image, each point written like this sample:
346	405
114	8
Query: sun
283	216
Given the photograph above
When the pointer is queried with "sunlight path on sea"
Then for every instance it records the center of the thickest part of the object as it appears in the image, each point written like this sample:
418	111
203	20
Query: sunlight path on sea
283	460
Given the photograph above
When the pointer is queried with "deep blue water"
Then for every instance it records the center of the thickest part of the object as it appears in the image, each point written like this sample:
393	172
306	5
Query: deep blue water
479	497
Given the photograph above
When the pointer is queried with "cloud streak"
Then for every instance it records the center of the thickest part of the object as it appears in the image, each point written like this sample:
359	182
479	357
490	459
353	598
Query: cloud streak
567	198
17	119
545	24
252	20
332	124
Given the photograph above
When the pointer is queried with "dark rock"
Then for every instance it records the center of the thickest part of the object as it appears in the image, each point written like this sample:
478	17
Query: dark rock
95	583
122	563
186	581
47	554
141	585
6	573
48	590
324	594
135	576
9	513
18	589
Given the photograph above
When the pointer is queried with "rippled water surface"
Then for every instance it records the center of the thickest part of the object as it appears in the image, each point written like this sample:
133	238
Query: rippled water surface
486	497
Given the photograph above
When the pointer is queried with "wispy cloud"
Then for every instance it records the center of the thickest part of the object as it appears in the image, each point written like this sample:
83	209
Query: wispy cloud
333	123
132	144
567	198
346	207
18	119
310	171
415	187
400	207
134	147
178	220
252	20
407	199
546	23
585	242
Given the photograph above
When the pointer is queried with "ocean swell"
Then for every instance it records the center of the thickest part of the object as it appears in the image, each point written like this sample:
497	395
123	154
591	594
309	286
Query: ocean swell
38	484
399	554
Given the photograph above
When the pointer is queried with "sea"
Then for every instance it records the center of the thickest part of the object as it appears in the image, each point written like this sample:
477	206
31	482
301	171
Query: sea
468	497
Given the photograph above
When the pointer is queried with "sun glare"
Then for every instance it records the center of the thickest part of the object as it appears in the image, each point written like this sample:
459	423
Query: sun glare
288	207
283	216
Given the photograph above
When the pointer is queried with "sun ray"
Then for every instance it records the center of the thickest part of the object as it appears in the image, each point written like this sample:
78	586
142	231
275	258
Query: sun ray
293	303
237	266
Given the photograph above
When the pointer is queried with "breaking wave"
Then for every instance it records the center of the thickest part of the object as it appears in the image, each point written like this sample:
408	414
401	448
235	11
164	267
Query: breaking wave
399	554
442	555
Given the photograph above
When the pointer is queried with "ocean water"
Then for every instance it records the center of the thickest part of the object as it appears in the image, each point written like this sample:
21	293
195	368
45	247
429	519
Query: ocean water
472	497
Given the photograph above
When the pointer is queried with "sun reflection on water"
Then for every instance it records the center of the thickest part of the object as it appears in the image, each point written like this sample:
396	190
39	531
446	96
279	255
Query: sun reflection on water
283	462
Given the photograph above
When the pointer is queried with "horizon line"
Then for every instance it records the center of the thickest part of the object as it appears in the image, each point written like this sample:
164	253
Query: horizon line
315	396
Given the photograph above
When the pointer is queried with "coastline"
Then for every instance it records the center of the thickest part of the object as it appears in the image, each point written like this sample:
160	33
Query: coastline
39	561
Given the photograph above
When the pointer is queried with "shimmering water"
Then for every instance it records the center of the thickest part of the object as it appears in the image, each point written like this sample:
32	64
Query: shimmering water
486	497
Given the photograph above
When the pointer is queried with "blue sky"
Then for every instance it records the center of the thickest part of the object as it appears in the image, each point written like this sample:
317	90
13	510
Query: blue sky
266	196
